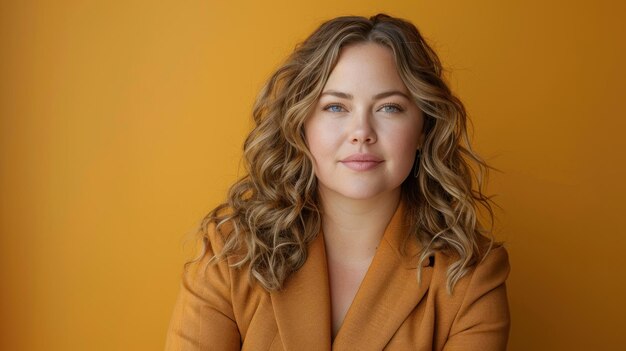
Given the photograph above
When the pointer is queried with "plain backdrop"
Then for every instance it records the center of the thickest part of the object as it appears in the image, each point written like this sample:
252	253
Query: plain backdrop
121	125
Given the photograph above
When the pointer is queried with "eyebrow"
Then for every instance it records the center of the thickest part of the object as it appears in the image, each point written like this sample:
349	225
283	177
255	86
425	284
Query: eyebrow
377	96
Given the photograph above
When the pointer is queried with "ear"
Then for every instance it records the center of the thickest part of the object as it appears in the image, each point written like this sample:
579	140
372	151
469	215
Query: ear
424	122
420	140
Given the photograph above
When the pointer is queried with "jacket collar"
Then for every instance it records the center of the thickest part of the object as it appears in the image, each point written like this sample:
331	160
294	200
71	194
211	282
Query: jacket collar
386	296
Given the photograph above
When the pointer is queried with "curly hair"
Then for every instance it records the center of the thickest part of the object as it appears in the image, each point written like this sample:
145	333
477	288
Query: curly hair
272	212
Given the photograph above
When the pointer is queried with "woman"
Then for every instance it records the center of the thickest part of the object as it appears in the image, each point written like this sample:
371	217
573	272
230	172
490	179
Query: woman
357	225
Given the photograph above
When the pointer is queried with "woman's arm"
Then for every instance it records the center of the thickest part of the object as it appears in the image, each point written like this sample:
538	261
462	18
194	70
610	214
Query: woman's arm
483	320
203	317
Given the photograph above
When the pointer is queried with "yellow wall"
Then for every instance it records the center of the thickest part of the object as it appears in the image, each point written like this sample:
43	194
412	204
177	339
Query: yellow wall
122	124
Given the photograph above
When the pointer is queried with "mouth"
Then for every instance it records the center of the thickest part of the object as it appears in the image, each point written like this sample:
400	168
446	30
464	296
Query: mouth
362	162
362	157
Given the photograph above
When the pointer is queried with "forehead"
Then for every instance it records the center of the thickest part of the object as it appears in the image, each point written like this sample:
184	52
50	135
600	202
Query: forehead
365	68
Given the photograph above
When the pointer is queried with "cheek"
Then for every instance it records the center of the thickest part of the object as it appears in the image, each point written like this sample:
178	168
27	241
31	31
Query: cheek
406	155
414	134
315	145
321	139
405	144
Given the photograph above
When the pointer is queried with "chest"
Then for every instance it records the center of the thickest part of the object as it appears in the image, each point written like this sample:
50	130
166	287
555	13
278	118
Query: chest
344	281
261	331
361	300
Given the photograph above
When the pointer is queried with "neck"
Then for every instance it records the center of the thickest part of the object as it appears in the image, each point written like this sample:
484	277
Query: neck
353	228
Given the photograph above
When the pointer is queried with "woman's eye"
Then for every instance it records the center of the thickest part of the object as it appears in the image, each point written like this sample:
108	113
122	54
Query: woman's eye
392	107
338	108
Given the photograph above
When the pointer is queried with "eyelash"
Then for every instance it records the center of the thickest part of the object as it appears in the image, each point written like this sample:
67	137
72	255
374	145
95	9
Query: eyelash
399	109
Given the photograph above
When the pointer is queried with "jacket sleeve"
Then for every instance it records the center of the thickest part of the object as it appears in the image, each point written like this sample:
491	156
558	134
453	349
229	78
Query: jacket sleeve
203	317
483	320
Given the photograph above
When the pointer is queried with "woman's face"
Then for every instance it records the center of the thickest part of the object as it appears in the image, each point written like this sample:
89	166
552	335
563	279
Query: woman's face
365	129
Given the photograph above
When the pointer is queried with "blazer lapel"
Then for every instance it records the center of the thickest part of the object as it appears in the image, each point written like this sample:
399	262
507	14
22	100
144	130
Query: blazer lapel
388	292
302	307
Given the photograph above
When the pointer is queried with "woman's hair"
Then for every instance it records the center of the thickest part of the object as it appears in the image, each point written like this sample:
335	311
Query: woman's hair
271	214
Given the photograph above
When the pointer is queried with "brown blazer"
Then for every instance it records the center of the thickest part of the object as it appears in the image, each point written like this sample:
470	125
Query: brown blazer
219	310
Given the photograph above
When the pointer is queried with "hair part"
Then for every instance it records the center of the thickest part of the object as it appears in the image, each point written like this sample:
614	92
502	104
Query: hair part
272	212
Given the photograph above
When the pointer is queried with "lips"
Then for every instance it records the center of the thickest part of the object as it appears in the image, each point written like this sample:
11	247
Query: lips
361	162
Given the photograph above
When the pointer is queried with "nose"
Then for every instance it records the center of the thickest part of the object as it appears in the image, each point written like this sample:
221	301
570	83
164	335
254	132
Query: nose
361	129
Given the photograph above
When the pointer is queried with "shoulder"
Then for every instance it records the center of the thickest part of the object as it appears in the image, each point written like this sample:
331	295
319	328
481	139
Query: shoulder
226	249
492	270
207	266
221	235
216	234
203	316
479	299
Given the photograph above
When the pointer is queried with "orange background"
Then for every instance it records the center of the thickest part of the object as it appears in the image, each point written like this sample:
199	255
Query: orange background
122	124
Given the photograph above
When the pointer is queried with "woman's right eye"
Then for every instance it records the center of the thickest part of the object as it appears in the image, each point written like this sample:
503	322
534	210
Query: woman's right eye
338	108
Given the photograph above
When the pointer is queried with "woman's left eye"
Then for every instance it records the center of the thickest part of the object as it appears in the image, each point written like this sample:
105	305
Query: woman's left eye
393	106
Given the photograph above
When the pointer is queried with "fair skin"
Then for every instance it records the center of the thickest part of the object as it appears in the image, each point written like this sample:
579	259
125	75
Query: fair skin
359	195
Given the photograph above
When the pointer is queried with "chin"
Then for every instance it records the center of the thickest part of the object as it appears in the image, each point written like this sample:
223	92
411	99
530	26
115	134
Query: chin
360	193
358	189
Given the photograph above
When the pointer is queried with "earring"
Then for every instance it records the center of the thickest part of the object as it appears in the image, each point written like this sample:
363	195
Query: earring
416	166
